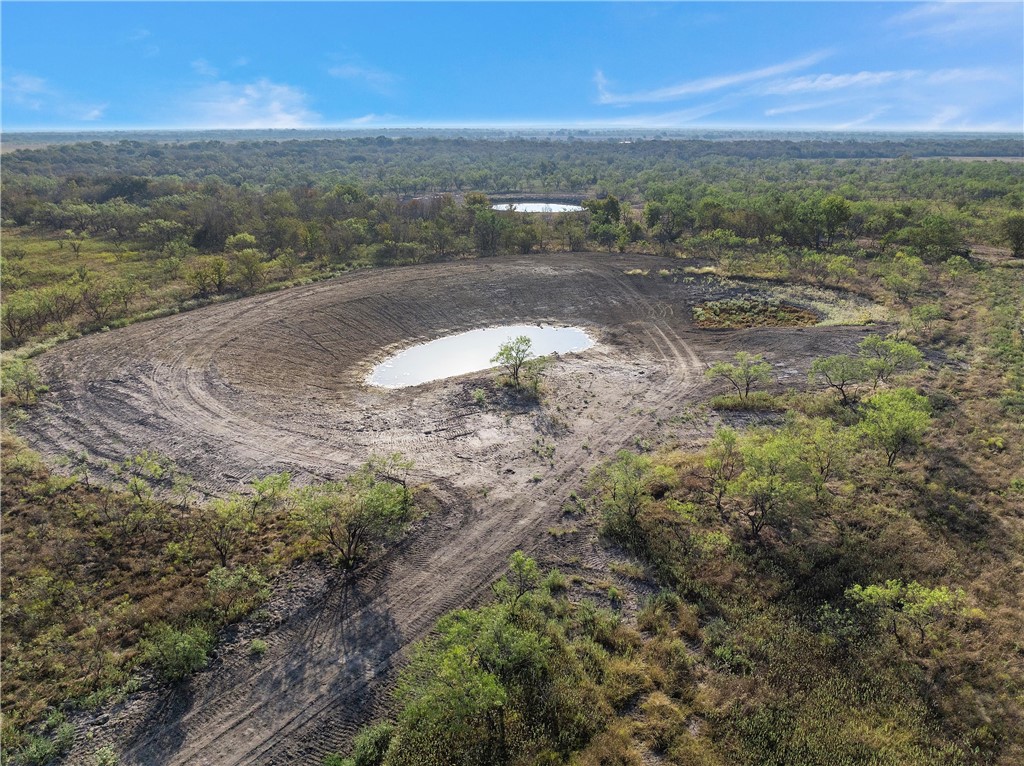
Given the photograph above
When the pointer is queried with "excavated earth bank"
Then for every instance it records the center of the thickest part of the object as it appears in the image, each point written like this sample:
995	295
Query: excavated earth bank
275	382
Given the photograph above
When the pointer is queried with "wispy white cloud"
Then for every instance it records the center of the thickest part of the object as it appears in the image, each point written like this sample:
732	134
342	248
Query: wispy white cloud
39	95
863	121
702	85
258	104
968	75
908	91
817	83
372	77
951	20
371	119
940	100
204	68
26	90
944	117
676	118
142	40
803	107
93	113
866	79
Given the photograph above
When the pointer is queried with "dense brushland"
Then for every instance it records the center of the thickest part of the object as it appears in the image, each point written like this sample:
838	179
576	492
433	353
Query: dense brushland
835	580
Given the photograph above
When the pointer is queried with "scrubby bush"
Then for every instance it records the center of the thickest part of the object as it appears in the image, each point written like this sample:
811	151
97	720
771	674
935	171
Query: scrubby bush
176	653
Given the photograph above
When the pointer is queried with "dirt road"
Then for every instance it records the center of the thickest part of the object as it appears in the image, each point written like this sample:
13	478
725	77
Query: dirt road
274	382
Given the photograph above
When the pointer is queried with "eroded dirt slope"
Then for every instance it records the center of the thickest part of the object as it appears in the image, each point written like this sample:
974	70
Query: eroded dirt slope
274	383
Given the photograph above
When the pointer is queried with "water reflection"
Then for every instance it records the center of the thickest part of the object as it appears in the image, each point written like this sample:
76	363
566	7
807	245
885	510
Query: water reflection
469	352
538	207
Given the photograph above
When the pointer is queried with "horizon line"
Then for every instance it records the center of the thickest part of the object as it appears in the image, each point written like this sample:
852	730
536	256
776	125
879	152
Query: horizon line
521	127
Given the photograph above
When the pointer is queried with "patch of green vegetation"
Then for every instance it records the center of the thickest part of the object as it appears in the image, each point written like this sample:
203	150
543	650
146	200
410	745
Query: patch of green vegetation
733	313
102	581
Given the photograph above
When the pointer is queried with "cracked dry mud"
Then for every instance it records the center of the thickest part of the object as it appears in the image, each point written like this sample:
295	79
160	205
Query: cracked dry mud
275	382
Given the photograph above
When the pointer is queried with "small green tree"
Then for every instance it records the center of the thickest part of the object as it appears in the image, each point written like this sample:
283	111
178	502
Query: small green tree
241	241
20	378
905	605
106	756
269	492
904	275
895	421
957	266
884	358
355	516
488	231
624	489
99	299
21	315
835	212
472	693
224	525
775	485
1013	233
512	356
840	372
723	464
208	274
936	238
393	467
744	373
250	269
453	708
840	268
369	746
825	449
923	317
523	576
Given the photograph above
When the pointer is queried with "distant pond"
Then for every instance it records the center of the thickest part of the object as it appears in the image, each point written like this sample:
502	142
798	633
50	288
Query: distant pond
538	207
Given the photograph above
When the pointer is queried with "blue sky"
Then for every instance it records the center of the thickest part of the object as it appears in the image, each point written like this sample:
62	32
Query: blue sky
849	66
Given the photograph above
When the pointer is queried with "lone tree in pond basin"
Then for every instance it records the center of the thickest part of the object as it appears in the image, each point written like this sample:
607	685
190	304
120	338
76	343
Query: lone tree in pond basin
512	356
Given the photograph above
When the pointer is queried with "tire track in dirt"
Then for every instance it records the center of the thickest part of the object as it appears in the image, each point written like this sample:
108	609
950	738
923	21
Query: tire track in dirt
275	382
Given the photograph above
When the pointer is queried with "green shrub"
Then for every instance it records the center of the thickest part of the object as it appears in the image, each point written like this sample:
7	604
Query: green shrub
21	380
106	756
37	752
235	591
175	653
371	744
555	582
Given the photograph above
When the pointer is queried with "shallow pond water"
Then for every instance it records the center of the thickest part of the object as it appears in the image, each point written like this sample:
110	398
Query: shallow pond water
538	207
469	352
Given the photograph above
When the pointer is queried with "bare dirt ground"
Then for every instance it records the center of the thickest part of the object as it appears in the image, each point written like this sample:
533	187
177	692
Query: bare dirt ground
275	382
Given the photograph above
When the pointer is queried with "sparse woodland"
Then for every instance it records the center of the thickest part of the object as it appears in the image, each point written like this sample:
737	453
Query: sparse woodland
836	578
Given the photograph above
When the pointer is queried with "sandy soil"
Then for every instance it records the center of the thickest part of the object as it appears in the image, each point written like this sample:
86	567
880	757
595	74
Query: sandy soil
274	382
